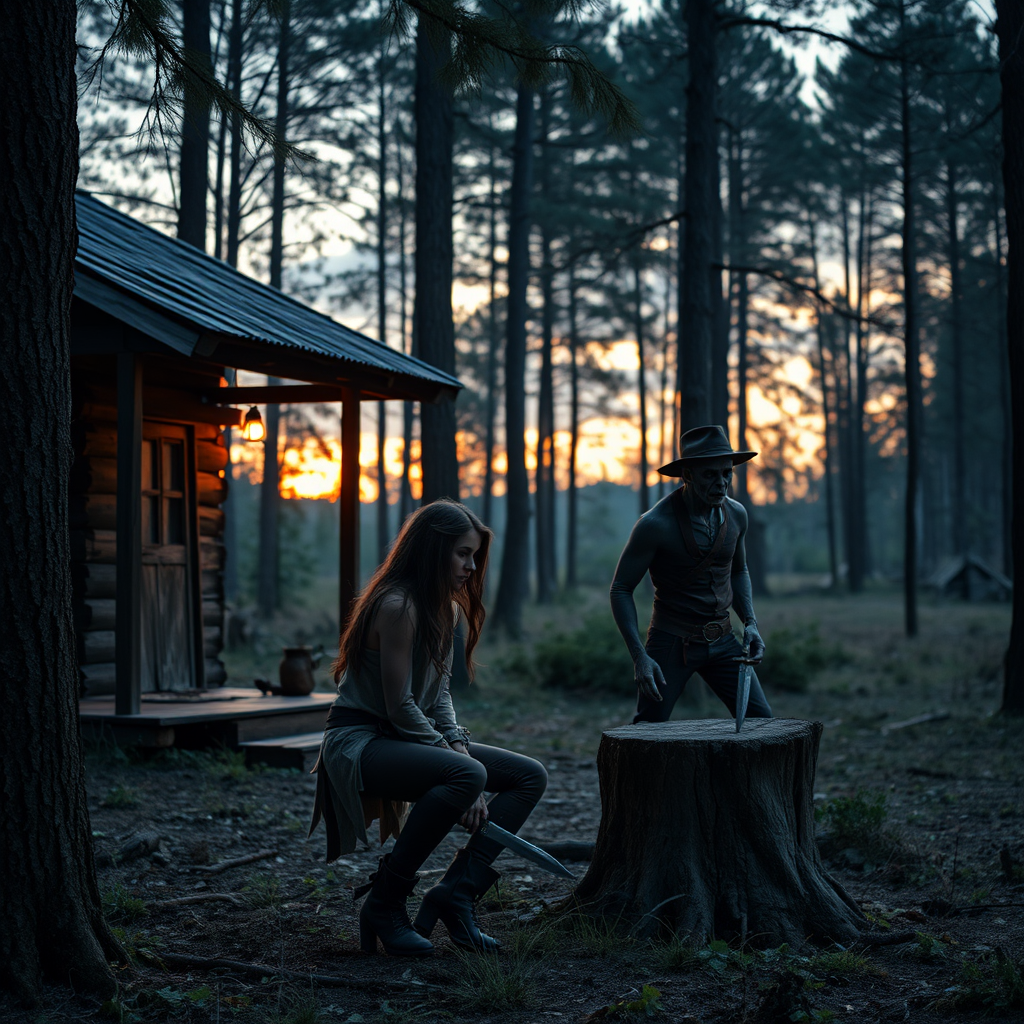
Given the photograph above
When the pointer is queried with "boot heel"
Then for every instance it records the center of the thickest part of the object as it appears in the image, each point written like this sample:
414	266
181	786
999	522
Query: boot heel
426	918
367	939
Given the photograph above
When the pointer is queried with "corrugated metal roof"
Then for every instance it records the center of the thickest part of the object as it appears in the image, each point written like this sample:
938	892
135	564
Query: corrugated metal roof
214	297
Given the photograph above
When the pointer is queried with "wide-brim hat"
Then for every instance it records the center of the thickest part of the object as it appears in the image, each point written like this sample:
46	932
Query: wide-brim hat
703	443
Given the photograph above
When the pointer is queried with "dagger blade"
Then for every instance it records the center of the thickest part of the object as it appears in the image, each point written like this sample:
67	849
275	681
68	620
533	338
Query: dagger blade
524	849
743	691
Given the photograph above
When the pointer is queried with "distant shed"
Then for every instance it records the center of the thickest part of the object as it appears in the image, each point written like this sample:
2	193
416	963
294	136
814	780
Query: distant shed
971	579
154	324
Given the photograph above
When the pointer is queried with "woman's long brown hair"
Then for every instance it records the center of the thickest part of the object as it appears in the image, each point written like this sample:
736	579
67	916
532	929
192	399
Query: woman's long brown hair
419	566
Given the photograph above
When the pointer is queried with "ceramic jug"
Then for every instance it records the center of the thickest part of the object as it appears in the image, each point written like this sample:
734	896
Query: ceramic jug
296	670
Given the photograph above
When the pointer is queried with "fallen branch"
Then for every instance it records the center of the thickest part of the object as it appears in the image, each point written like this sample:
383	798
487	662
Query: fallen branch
203	897
933	716
138	846
199	963
237	862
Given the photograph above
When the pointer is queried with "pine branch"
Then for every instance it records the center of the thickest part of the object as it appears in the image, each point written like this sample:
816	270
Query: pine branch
735	20
143	31
476	40
792	282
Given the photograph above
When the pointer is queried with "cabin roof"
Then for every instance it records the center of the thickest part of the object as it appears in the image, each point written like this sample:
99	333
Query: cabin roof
198	305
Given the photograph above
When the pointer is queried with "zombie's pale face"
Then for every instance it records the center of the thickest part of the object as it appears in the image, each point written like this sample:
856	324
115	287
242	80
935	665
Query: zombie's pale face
709	481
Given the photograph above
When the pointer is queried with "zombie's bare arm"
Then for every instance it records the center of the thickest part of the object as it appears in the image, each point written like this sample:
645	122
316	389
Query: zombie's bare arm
743	596
634	562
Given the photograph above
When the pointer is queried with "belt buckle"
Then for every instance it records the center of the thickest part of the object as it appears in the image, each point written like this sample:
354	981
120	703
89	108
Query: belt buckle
712	631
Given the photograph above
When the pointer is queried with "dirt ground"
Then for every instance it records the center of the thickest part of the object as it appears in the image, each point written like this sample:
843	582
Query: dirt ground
922	824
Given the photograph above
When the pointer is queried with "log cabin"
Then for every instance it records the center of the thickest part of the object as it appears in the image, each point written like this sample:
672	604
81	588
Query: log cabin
156	326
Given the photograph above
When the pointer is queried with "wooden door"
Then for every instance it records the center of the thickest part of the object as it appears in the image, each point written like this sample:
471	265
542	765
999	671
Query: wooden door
168	644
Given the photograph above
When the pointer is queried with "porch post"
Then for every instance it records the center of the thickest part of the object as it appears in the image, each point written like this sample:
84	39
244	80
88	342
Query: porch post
128	617
348	566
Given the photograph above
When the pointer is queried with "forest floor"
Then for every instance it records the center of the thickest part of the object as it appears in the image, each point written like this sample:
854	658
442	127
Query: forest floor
926	823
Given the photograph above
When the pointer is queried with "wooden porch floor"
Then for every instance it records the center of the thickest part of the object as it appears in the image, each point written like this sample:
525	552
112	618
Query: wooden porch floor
230	716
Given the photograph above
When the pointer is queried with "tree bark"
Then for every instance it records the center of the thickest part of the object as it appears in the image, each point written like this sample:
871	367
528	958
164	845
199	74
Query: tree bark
638	330
572	502
696	314
52	925
730	854
432	312
382	300
234	210
830	505
1010	28
959	531
912	369
513	583
193	171
492	344
544	525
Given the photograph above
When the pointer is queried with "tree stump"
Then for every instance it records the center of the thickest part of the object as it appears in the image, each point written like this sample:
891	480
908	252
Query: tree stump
709	833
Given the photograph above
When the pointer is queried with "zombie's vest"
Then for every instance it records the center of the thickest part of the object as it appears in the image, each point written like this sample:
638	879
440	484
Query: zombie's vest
693	587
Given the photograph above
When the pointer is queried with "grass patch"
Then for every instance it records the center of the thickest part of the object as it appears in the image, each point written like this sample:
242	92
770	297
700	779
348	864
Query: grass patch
495	982
120	796
591	658
121	905
858	822
793	657
263	892
646	1005
991	984
844	963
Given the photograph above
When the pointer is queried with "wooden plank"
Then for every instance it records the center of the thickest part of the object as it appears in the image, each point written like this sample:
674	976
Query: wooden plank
211	488
276	394
213	641
348	502
100	444
93	511
94	546
91	579
129	530
213	613
211	458
95	475
282	751
99	679
211	521
211	555
95	613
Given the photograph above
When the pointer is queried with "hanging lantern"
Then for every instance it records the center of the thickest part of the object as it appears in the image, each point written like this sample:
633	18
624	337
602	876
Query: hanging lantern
253	429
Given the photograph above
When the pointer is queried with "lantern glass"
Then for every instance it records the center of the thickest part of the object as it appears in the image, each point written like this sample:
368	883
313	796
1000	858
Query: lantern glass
253	430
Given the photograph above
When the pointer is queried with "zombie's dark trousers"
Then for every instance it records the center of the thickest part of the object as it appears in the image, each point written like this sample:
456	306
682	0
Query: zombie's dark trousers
714	662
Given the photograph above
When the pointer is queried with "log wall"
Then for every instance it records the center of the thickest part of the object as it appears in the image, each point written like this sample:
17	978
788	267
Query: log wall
93	510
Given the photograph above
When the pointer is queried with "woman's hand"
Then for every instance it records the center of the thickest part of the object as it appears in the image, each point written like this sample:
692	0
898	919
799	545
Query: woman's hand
459	747
475	816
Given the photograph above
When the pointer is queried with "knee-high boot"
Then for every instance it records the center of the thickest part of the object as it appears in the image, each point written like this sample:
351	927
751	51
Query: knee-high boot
453	900
383	916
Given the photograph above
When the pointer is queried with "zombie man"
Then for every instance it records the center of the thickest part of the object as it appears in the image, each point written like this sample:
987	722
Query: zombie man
692	544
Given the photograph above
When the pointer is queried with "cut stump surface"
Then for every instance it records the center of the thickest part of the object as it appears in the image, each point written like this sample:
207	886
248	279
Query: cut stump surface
709	833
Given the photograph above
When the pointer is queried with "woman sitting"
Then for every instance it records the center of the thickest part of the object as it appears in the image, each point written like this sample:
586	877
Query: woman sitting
392	736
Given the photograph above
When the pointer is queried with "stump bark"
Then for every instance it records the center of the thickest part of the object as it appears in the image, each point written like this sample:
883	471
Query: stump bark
706	833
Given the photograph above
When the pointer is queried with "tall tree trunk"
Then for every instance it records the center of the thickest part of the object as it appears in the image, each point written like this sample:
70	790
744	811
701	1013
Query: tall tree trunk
663	418
912	357
696	310
432	312
268	569
234	211
638	330
959	531
719	309
491	411
844	394
863	364
819	330
544	526
858	510
1005	403
405	500
52	924
193	171
572	511
382	301
1010	28
514	582
218	189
